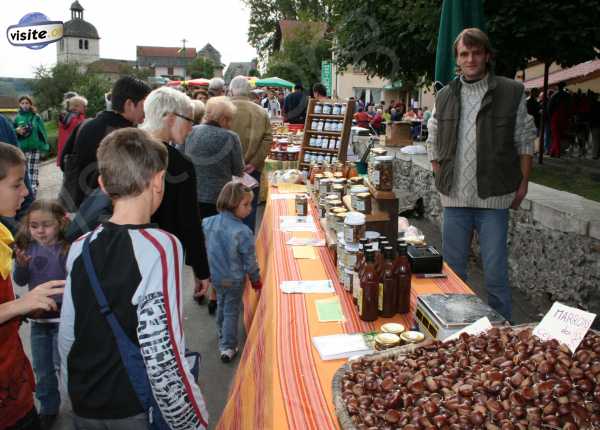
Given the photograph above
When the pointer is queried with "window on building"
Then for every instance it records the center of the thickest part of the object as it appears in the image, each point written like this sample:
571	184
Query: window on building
80	44
86	44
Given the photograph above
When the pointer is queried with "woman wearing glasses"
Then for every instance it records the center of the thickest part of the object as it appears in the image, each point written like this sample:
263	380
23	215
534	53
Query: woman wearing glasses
169	119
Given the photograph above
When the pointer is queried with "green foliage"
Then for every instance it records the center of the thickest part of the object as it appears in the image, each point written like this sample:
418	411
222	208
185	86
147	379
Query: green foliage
52	132
254	72
93	87
397	39
201	68
266	14
50	84
300	58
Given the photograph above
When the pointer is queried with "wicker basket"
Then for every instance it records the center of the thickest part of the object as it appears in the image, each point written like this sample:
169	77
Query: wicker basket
340	407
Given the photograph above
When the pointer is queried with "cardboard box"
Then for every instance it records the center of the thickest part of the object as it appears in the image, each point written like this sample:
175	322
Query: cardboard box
398	134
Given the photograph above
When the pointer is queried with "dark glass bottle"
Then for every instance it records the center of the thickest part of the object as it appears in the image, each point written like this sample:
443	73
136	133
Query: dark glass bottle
369	290
360	259
388	287
403	274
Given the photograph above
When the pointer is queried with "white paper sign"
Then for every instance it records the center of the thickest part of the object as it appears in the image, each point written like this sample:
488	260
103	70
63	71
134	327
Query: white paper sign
307	287
478	327
297	223
566	324
338	346
306	241
283	196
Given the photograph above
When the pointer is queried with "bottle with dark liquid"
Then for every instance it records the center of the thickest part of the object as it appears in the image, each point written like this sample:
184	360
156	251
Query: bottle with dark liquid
369	290
403	274
388	287
360	259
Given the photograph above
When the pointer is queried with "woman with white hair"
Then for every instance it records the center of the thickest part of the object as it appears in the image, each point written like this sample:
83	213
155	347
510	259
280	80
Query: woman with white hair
73	115
217	156
169	119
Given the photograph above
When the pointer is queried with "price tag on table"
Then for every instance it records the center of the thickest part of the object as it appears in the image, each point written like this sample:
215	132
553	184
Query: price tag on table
565	324
478	327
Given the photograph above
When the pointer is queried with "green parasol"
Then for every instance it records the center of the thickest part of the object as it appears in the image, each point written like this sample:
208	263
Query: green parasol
455	17
274	82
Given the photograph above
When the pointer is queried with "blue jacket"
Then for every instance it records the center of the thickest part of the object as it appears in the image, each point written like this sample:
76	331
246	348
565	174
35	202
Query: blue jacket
230	249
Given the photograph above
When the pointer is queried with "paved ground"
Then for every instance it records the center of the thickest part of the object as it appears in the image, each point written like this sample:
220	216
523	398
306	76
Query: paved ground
215	377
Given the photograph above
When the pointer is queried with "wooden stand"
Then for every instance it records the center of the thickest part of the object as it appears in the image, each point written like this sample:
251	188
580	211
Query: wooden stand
344	135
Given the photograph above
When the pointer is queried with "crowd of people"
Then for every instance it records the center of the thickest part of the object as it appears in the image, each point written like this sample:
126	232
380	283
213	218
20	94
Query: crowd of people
574	117
144	184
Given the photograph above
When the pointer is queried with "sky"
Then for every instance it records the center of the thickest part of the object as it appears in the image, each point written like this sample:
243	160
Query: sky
124	24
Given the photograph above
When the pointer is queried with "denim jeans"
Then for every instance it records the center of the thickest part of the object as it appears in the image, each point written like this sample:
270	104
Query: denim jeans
44	351
229	304
250	220
492	228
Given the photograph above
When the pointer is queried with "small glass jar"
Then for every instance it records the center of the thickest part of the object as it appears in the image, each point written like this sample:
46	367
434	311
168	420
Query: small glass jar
338	189
385	341
324	186
354	190
326	108
325	142
350	254
347	279
318	108
338	143
320	125
354	227
314	124
307	157
374	152
301	205
337	109
394	328
411	337
344	108
363	203
339	221
382	176
339	126
331	213
317	178
332	143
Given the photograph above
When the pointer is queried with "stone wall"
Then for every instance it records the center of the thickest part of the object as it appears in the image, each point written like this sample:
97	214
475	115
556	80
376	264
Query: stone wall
554	237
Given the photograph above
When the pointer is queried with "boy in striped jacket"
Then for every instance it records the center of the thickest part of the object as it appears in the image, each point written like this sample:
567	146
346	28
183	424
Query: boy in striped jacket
139	268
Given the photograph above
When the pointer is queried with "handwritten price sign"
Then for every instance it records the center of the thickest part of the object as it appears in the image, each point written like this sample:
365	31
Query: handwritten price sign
565	324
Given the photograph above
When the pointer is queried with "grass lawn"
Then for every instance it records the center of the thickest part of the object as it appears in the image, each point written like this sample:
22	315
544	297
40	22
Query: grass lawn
52	130
571	178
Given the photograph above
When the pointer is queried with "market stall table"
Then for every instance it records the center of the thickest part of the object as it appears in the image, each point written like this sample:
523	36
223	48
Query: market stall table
271	166
281	381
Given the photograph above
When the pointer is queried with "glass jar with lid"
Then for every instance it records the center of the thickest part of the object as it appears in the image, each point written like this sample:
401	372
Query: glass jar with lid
318	107
354	190
363	203
338	190
324	186
382	176
385	341
343	108
337	109
301	205
327	108
354	227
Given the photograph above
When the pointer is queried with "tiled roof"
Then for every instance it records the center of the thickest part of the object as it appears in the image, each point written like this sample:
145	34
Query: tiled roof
578	72
163	51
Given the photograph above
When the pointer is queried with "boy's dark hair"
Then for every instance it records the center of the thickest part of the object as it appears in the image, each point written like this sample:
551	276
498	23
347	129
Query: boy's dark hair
319	89
23	238
231	196
126	88
128	159
10	156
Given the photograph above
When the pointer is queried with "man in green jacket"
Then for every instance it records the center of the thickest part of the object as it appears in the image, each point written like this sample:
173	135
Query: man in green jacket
251	123
480	146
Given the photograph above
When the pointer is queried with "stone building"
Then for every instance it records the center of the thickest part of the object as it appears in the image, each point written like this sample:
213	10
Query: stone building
81	42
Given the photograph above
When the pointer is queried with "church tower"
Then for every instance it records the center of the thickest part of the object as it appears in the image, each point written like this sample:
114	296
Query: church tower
81	43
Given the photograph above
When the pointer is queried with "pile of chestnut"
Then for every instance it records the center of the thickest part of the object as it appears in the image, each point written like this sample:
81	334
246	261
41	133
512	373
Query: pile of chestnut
501	380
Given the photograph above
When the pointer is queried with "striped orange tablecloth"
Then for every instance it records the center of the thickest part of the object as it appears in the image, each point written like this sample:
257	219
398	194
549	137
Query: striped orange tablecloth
281	381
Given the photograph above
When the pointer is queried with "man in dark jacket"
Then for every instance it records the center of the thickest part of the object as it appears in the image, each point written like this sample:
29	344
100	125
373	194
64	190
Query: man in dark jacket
294	106
127	98
480	147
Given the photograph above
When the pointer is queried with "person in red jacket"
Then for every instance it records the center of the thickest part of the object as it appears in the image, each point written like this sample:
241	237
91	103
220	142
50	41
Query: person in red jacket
17	410
74	115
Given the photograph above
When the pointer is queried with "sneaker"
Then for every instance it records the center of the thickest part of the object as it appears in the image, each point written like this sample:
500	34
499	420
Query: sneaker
47	421
228	354
212	307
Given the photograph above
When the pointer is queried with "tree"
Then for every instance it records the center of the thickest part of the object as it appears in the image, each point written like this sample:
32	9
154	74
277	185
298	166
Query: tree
50	84
300	58
389	39
93	86
201	68
263	33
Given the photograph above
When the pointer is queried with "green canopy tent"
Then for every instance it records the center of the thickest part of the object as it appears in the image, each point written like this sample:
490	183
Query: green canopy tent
455	17
274	82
